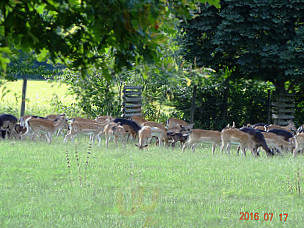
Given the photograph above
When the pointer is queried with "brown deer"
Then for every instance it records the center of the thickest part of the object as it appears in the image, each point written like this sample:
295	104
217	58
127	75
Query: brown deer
234	136
43	127
86	127
203	136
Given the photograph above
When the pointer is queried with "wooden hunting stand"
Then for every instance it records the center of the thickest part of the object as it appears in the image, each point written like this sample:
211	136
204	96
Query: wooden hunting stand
283	108
131	105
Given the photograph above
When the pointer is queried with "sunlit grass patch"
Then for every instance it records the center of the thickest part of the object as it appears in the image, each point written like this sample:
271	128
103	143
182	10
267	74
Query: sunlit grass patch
42	98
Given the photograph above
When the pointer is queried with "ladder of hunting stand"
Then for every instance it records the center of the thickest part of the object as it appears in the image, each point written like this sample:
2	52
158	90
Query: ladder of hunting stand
283	108
131	105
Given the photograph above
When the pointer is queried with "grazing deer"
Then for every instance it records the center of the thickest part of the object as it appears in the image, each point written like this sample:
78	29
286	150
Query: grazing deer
273	140
234	136
7	124
25	117
290	127
61	129
86	127
299	143
174	124
116	130
139	120
130	126
260	126
145	134
259	140
43	126
286	135
203	136
19	130
161	128
177	137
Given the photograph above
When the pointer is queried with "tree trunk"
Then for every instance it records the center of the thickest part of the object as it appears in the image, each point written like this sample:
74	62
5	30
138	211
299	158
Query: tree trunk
193	104
23	96
279	87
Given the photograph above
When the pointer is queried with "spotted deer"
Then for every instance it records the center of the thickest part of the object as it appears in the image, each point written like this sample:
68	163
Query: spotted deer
203	136
43	127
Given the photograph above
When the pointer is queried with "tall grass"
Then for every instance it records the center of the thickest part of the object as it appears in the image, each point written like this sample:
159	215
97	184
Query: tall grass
159	187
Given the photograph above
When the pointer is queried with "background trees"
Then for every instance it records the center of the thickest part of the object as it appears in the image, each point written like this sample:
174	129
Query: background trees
254	39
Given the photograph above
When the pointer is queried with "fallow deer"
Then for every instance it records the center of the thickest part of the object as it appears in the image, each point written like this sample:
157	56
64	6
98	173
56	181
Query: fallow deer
7	124
273	140
290	127
235	136
65	127
161	128
174	124
203	136
139	120
86	127
43	126
115	130
299	143
146	133
259	140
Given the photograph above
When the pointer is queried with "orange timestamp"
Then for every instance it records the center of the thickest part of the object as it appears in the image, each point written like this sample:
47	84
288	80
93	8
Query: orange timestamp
266	216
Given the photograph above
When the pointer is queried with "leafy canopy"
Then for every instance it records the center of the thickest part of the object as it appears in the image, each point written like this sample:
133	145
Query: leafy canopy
80	33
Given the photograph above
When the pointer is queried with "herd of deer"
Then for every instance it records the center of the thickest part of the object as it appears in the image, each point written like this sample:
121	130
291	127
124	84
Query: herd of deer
272	138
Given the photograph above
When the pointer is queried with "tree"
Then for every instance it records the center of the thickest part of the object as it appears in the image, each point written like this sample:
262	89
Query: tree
81	33
254	39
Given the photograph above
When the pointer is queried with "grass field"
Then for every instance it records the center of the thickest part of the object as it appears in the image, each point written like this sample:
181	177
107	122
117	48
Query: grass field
42	98
153	188
126	187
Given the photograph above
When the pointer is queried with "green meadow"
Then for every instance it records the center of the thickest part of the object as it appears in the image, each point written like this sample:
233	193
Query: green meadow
42	98
73	185
78	185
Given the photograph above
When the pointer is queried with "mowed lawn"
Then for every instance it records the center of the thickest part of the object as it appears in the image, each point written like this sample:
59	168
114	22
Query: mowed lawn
158	187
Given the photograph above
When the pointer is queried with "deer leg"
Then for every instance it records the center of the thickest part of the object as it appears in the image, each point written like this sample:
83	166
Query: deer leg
185	146
224	144
213	148
115	139
228	148
193	147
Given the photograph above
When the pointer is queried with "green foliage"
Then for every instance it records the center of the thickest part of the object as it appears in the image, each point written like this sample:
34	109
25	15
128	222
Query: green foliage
80	33
220	101
254	39
25	65
94	94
